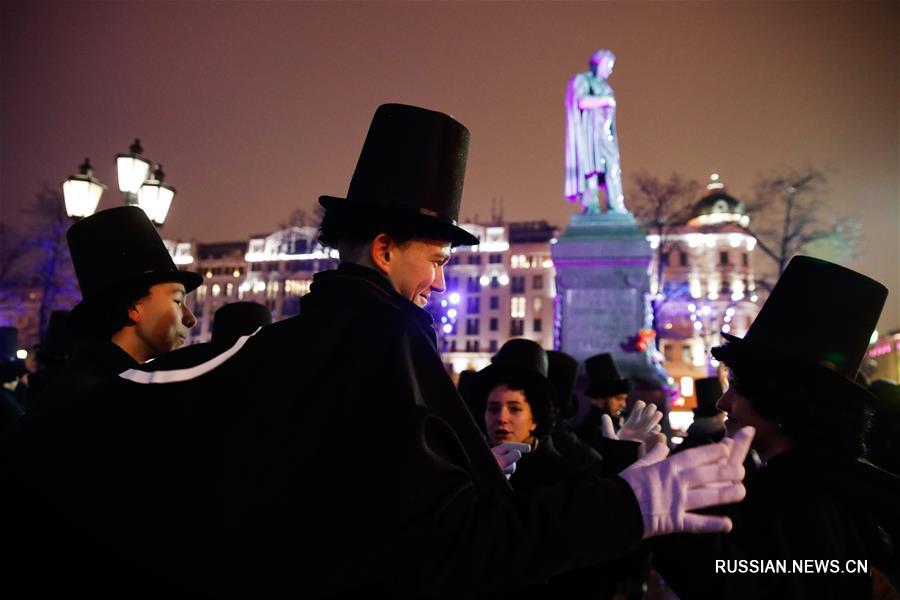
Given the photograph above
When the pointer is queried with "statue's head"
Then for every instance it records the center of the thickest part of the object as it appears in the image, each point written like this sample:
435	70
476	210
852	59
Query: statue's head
602	62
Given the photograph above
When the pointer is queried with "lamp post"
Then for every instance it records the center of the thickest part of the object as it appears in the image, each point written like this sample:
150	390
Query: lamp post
138	185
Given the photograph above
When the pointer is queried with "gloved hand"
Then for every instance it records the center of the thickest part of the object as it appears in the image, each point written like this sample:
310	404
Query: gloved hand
507	454
642	425
668	490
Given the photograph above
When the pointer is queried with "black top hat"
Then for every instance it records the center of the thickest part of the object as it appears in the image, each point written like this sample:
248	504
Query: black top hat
818	317
231	321
604	378
115	248
563	372
412	165
709	390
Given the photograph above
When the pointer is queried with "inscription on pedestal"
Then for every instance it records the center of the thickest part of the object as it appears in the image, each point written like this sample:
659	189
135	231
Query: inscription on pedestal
597	320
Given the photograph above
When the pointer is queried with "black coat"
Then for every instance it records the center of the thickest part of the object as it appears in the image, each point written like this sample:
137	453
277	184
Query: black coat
797	508
617	455
330	454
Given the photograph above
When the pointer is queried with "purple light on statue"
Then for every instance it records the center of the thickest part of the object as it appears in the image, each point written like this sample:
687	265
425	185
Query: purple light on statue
448	328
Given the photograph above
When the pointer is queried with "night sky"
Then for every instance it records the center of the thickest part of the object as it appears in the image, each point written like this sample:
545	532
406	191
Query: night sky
255	108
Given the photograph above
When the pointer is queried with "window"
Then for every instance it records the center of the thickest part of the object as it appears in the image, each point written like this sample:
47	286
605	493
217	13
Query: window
473	305
452	345
452	283
495	259
494	324
472	346
683	259
472	327
517	327
687	356
517	307
537	304
454	260
664	259
745	260
474	259
495	302
667	352
723	258
536	326
472	284
518	284
537	282
495	282
492	346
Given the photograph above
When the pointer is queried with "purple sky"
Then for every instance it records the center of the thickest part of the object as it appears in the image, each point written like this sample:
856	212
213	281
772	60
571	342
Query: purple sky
256	108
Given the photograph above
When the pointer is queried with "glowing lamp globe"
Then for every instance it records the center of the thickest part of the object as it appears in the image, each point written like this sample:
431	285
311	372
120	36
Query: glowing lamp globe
82	192
155	197
132	169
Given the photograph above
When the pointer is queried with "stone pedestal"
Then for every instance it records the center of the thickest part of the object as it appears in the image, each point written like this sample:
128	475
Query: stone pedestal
602	288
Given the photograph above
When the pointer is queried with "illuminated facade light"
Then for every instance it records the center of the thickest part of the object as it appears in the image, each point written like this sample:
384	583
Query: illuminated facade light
155	197
132	169
729	312
504	279
705	310
687	386
734	240
452	313
713	295
21	354
448	328
454	298
726	328
692	307
698	325
695	288
484	280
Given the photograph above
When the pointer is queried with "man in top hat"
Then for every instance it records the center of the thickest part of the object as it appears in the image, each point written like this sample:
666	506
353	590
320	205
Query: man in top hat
793	378
603	428
356	468
708	426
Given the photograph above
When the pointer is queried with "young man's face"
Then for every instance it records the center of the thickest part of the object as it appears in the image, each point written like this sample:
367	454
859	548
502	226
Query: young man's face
416	268
508	416
162	319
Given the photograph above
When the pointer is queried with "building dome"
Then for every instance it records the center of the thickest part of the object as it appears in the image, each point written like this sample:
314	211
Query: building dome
718	207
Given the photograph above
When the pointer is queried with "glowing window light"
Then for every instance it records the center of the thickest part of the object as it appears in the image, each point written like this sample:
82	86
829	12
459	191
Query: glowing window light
687	386
710	241
21	354
452	313
454	298
735	240
696	292
751	244
713	295
737	296
693	240
216	289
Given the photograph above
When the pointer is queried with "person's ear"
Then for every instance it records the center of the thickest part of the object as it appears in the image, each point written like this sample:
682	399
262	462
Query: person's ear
382	246
134	312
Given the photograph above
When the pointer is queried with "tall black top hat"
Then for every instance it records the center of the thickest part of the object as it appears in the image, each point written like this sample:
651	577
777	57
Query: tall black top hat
115	248
709	390
412	164
231	321
563	372
604	378
519	358
819	315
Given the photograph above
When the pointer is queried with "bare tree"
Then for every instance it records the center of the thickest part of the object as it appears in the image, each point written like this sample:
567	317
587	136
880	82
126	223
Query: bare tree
12	249
662	207
787	218
300	217
48	257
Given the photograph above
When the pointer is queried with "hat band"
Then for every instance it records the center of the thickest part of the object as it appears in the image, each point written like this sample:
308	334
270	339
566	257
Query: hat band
437	215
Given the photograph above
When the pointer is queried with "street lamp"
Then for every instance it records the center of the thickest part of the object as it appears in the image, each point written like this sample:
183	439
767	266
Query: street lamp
138	185
82	192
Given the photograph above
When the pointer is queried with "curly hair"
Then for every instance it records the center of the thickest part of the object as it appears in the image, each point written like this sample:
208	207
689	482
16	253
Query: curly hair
539	399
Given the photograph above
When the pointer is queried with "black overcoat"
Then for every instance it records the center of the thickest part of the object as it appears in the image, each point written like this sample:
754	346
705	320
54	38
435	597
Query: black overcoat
328	454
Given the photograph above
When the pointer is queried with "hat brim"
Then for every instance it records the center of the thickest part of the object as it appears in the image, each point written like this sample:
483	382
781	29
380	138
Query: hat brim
427	225
609	388
738	352
493	375
86	312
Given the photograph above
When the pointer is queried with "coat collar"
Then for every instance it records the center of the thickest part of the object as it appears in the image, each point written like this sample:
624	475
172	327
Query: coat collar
349	274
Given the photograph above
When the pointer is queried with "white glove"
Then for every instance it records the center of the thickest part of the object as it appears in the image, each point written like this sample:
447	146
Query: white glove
507	454
642	425
667	490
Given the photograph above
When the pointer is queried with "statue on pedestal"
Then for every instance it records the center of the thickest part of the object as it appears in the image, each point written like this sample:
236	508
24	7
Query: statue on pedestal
592	146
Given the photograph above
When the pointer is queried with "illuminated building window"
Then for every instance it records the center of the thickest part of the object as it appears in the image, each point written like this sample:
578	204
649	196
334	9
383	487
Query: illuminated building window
517	307
537	304
686	355
201	292
517	327
216	289
229	289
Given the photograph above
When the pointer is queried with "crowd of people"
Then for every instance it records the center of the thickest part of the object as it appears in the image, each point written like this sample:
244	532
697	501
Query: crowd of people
332	455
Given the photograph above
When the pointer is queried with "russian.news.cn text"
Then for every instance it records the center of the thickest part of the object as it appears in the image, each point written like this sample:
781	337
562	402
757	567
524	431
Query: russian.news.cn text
792	567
